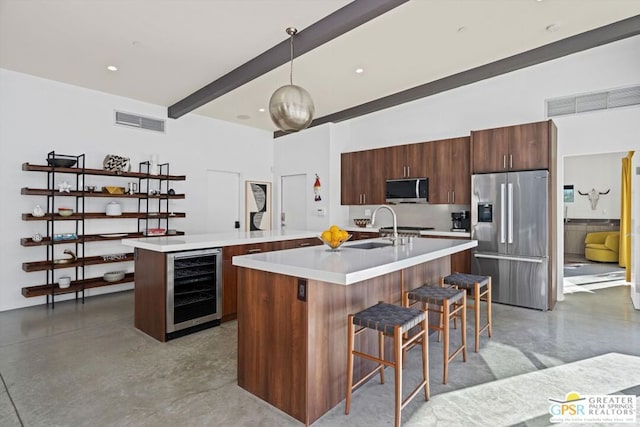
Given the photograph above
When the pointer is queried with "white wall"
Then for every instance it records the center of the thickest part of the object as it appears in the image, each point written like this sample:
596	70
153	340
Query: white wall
519	97
38	115
601	172
310	152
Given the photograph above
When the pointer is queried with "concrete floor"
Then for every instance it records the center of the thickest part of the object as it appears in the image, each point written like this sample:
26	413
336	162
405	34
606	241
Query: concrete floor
87	365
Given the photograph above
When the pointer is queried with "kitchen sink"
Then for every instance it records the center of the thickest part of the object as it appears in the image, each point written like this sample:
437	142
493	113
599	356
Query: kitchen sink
370	245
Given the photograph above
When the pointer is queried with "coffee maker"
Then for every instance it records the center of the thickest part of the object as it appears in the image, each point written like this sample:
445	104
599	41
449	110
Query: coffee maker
460	221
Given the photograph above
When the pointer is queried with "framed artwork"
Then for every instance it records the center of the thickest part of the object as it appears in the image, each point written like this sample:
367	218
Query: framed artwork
568	193
257	206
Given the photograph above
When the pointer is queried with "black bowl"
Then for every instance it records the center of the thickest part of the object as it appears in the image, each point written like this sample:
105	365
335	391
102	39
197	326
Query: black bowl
61	163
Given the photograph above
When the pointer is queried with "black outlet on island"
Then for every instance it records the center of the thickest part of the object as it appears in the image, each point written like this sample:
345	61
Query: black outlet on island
302	289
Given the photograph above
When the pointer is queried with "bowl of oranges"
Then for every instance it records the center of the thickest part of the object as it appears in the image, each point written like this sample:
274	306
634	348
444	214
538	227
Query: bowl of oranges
334	237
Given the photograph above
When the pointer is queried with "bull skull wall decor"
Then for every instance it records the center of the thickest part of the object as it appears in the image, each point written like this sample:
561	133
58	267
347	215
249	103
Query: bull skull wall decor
594	196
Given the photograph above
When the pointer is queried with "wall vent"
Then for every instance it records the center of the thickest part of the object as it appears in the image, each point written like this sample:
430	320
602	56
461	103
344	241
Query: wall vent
140	122
615	98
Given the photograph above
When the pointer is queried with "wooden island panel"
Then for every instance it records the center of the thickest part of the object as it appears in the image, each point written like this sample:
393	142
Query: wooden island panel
293	353
150	293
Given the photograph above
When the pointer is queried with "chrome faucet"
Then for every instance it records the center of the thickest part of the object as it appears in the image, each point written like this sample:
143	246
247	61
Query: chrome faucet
394	238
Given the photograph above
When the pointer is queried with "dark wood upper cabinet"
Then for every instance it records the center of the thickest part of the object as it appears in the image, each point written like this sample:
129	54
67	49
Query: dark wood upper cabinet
461	171
511	148
529	146
450	180
408	161
363	177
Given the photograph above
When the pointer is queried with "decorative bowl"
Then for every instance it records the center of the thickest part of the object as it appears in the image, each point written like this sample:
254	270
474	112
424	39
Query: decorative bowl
65	211
113	276
61	163
334	245
361	222
113	190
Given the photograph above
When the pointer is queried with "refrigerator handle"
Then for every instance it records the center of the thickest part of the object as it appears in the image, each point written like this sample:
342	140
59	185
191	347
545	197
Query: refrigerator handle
510	214
511	258
502	213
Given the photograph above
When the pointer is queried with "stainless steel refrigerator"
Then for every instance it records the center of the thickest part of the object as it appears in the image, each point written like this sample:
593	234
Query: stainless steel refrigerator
510	219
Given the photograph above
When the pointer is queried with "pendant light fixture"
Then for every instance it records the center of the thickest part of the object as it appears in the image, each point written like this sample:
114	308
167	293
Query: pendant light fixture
291	107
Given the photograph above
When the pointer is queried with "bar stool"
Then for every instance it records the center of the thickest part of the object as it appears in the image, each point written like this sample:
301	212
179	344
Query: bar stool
481	288
394	321
449	303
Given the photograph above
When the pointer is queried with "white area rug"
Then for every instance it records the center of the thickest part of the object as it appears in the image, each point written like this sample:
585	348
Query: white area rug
524	397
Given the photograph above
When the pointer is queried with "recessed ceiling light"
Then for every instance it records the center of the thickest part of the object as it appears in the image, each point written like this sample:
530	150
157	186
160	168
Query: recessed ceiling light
261	110
359	70
243	117
552	28
112	68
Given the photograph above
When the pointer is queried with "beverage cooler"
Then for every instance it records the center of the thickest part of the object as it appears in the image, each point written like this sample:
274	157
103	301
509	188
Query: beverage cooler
194	289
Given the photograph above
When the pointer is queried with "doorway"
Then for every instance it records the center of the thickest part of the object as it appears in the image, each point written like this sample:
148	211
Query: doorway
293	212
223	201
591	205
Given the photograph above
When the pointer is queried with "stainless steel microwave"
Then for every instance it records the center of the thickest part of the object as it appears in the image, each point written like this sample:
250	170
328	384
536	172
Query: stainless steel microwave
414	190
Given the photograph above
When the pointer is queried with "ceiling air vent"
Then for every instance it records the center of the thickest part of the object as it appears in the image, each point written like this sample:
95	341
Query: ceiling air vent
615	98
140	122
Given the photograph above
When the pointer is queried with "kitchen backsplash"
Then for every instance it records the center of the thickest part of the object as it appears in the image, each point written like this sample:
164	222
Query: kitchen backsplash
418	215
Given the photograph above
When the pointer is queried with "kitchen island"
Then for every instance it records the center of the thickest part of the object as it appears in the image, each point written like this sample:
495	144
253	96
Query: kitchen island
293	307
160	307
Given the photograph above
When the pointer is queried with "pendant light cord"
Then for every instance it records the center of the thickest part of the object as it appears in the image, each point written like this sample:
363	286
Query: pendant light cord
291	69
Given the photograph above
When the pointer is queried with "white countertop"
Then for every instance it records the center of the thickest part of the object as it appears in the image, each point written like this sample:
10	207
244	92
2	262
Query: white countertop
351	265
424	233
445	233
215	240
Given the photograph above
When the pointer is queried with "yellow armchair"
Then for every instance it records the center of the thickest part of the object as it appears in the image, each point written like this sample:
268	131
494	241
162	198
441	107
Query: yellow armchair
602	246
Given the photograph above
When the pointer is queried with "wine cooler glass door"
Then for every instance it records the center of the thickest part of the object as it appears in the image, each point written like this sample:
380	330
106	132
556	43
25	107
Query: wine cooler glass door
193	288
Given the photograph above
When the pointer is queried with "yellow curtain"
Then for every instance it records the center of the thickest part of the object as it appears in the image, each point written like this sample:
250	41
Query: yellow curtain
625	216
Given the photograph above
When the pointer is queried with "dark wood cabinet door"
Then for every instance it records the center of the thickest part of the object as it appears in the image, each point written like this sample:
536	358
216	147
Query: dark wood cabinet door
363	177
440	179
350	193
395	165
419	160
371	176
297	243
229	291
362	235
490	150
460	171
529	146
408	161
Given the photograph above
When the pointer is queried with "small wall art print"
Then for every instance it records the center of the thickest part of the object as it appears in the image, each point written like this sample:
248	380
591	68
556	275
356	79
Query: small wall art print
258	206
